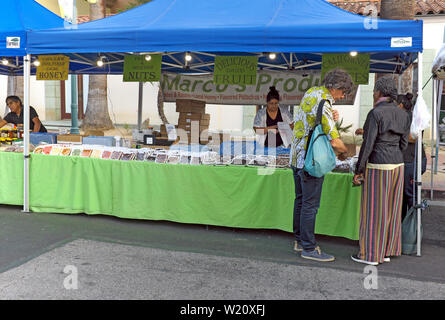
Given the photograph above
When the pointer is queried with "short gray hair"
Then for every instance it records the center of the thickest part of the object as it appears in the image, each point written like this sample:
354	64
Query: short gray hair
386	86
338	79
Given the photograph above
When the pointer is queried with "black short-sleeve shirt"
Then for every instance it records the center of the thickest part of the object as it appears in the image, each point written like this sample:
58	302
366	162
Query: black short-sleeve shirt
12	117
273	122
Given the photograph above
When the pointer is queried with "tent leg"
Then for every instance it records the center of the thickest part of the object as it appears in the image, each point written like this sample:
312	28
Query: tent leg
141	94
433	137
27	75
438	106
419	156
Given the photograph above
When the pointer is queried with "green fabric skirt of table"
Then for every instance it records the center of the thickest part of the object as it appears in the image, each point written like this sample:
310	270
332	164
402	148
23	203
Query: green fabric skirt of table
230	196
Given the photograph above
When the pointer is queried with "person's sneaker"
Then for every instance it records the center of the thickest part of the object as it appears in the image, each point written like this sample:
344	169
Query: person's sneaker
317	255
299	248
357	259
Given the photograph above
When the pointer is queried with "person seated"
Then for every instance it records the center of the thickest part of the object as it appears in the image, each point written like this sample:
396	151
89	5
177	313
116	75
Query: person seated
16	115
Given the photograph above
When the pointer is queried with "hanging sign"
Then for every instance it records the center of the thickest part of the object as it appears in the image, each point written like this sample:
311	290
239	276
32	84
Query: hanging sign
235	70
53	67
357	66
142	68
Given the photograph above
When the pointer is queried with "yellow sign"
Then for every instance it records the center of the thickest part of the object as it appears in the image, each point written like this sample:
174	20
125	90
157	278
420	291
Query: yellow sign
55	67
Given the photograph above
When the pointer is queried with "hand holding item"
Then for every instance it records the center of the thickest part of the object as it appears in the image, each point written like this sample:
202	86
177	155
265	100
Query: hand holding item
335	115
357	180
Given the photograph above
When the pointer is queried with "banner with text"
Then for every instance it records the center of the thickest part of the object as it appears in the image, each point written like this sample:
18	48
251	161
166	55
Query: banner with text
292	85
53	67
139	69
235	70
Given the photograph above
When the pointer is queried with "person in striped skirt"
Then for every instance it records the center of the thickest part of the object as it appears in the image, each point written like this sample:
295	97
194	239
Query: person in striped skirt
380	171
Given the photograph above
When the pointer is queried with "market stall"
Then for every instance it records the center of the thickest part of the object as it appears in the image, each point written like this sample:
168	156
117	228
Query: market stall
298	31
231	196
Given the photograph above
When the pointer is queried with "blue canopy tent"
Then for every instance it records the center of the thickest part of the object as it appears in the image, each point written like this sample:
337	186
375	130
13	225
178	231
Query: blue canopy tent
298	31
17	18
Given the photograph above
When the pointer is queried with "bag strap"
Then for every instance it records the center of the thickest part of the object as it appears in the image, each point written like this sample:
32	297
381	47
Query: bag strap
320	112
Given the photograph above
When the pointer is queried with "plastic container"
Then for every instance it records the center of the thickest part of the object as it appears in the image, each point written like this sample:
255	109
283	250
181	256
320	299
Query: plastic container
107	141
38	137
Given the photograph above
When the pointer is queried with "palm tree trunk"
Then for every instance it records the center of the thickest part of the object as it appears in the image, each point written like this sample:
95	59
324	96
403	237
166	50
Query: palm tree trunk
97	116
15	88
399	10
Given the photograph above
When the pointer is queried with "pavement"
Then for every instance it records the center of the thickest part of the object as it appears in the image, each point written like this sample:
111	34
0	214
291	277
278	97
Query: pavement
49	256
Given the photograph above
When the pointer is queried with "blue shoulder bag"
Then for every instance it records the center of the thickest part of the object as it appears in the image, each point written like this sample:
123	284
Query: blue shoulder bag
320	158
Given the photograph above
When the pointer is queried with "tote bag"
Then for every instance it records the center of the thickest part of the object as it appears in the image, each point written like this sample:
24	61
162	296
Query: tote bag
409	232
320	158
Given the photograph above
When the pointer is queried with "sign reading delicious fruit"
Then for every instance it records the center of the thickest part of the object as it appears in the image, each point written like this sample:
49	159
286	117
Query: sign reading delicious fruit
235	70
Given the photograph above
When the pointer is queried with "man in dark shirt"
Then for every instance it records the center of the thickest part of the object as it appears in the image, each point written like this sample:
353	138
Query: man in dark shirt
16	115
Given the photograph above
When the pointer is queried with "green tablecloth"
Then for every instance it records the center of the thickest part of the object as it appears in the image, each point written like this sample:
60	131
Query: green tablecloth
230	196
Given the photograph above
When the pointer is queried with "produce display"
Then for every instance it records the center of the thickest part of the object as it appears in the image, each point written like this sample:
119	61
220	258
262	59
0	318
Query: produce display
161	155
9	136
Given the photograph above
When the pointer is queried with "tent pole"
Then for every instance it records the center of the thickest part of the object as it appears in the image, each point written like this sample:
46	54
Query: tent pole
438	106
141	95
433	137
419	155
27	75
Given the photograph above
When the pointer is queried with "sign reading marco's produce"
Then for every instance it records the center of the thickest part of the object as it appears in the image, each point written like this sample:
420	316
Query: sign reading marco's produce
291	85
235	70
138	69
357	67
53	67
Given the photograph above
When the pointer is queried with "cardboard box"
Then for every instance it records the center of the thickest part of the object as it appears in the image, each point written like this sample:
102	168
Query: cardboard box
218	137
70	138
194	116
189	121
189	105
190	102
188	127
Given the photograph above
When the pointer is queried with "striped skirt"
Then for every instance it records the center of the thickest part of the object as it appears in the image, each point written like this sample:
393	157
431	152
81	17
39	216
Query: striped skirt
380	214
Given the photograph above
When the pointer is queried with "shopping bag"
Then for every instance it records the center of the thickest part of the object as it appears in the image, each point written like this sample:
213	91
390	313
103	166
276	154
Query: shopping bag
320	158
421	117
409	232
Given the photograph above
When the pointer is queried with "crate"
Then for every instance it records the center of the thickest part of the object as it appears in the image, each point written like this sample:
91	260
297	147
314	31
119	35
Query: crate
70	138
36	138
